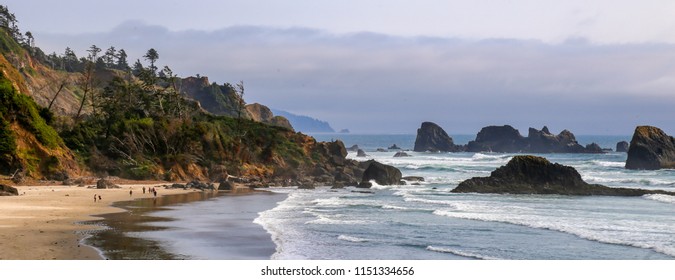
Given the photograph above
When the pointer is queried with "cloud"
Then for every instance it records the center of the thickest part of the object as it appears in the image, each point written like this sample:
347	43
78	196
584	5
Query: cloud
371	82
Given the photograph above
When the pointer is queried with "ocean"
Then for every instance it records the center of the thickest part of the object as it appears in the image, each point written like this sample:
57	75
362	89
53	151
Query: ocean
427	221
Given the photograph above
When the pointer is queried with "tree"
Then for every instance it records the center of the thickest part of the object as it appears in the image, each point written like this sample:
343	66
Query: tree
109	57
152	56
122	63
93	53
30	40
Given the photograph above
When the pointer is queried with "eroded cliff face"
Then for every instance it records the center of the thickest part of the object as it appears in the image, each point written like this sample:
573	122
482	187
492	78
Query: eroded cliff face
651	148
262	113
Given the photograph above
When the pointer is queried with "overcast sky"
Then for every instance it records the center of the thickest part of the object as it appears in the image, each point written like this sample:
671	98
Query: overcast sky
594	67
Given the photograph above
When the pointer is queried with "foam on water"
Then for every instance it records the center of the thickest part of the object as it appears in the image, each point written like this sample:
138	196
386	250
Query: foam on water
661	197
460	253
352	239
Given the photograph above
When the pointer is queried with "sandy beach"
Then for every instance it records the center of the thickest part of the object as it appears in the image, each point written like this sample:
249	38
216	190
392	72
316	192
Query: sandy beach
42	222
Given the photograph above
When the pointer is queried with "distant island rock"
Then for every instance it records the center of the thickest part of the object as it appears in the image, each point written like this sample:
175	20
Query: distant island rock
394	147
506	139
304	123
344	130
622	147
536	175
432	138
382	174
651	149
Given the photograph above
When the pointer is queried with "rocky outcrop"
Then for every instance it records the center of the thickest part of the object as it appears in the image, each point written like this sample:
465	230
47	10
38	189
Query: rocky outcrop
353	148
382	174
506	139
651	149
394	147
361	153
106	184
6	190
262	113
432	138
401	154
536	175
622	147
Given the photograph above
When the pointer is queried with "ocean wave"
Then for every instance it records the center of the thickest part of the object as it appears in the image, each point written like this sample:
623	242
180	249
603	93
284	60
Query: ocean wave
460	253
484	157
661	198
610	234
609	163
325	220
352	239
639	181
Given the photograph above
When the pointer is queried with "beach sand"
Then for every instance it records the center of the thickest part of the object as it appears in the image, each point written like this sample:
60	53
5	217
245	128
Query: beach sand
43	222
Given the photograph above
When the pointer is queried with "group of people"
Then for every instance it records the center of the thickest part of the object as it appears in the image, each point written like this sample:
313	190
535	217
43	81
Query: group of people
151	190
131	192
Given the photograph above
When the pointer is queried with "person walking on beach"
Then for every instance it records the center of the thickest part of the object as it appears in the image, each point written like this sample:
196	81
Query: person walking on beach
99	198
94	197
131	192
154	192
143	190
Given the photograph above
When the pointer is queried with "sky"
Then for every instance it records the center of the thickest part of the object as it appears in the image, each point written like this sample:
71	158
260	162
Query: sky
385	66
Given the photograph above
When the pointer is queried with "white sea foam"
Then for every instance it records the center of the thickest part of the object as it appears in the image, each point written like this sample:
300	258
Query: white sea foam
618	232
661	197
330	220
460	253
609	163
352	239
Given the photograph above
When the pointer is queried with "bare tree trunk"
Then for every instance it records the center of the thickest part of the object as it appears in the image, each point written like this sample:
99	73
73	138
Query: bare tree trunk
56	95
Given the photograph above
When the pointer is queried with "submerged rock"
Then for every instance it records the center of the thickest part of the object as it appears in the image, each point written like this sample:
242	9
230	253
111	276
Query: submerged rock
622	147
6	190
361	153
651	149
536	175
431	137
401	154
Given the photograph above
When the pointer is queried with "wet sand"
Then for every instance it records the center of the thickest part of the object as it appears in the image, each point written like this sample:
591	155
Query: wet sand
44	222
136	234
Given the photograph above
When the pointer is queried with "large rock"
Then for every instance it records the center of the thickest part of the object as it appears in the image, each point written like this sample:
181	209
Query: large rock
536	175
106	184
506	139
262	113
382	174
651	149
401	154
500	139
431	137
361	153
6	190
622	147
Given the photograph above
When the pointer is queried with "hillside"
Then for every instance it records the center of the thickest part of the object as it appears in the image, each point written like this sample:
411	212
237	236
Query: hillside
140	122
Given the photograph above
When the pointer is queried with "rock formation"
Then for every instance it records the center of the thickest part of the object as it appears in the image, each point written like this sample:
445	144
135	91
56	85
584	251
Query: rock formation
382	174
651	149
506	139
536	175
361	153
622	147
262	113
6	190
401	154
106	184
353	148
431	137
394	147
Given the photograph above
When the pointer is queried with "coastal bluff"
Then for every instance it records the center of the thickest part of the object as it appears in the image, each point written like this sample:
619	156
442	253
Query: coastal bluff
536	175
650	149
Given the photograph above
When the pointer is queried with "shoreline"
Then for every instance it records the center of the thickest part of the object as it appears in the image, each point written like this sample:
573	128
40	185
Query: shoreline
49	222
146	232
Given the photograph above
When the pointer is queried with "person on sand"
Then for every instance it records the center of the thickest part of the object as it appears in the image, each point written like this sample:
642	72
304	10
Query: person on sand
131	192
154	192
99	198
143	190
94	197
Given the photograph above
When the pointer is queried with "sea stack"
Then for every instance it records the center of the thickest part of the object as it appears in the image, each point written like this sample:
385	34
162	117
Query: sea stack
622	147
431	137
506	139
536	175
651	149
